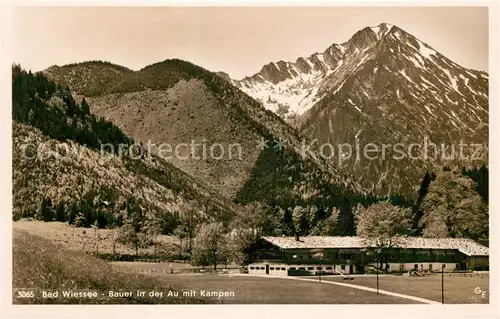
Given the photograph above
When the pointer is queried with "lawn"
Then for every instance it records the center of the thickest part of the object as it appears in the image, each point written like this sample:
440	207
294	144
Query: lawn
458	289
249	289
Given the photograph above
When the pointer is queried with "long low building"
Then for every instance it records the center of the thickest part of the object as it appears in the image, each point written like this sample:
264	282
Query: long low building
349	255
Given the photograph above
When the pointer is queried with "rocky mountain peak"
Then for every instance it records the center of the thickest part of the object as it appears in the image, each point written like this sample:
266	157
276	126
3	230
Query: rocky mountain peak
291	88
382	83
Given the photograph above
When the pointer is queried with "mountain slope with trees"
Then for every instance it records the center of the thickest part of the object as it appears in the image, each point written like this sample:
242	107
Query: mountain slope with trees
174	102
89	78
62	171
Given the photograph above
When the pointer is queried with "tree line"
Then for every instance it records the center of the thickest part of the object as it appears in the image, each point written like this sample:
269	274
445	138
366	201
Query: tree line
448	205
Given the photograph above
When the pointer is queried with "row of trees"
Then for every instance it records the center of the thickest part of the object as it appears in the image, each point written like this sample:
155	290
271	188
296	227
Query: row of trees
450	207
449	204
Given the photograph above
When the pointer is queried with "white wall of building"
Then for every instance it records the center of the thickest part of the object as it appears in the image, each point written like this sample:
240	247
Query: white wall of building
424	266
281	269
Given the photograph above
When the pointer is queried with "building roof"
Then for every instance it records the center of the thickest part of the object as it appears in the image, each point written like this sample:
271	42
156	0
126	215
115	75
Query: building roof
464	245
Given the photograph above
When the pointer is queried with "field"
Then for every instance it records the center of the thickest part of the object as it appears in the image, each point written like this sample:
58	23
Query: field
249	289
40	265
458	289
84	239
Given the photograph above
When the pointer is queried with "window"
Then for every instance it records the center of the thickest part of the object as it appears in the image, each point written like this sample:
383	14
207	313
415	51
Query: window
319	268
401	267
415	266
292	268
283	268
342	267
272	268
310	268
430	267
302	268
262	268
328	268
251	268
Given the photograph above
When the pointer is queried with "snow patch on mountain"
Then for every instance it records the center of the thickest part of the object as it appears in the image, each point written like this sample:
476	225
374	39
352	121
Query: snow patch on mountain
453	80
429	110
426	51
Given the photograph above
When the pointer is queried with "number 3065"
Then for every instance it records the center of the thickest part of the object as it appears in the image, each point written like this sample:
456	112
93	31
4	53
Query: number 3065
25	294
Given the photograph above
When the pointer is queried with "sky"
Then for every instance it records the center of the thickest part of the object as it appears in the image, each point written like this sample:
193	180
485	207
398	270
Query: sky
236	40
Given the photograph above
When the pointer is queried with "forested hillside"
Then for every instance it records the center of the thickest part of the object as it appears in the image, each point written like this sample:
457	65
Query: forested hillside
66	167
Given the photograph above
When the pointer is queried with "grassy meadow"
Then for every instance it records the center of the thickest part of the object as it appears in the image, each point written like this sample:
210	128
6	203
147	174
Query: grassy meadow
39	264
458	289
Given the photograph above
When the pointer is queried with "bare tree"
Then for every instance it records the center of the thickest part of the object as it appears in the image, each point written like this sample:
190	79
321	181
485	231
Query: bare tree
190	218
153	229
210	246
95	227
382	225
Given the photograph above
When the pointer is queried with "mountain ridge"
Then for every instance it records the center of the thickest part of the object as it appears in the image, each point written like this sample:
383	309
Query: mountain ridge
298	94
383	85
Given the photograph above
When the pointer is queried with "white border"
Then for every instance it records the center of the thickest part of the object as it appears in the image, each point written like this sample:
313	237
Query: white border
243	311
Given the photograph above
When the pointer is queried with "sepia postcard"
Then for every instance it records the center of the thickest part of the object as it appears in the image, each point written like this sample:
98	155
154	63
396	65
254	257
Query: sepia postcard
249	155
